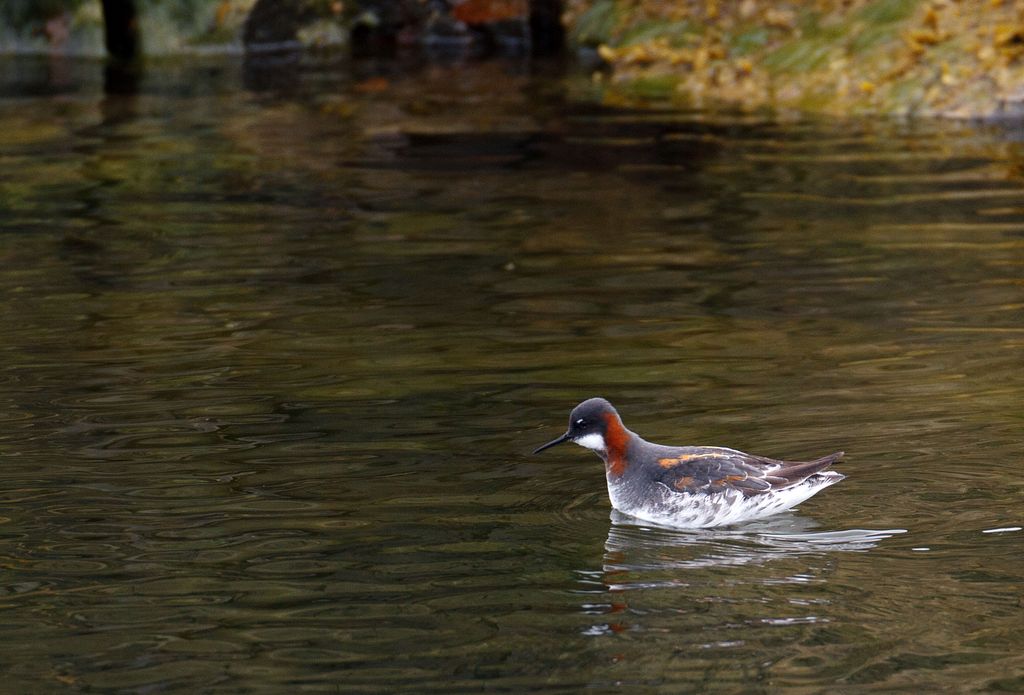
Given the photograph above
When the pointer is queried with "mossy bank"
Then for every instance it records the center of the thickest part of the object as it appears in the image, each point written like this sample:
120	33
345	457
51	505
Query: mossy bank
913	57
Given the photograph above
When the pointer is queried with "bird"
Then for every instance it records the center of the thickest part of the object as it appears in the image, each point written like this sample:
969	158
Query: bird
690	486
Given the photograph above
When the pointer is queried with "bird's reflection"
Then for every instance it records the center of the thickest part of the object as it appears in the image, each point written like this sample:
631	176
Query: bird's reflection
681	564
638	545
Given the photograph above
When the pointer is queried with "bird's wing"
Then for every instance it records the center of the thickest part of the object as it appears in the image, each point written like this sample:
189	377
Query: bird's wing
709	469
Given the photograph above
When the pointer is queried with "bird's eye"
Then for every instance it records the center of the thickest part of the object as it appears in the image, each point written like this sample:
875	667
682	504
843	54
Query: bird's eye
581	421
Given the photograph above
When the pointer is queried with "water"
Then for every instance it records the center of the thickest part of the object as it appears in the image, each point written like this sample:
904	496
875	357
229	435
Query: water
275	350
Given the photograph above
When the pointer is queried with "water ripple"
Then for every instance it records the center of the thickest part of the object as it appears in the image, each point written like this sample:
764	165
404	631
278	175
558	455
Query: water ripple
269	382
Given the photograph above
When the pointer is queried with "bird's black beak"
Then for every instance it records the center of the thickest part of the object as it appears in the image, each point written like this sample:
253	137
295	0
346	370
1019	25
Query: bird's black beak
564	438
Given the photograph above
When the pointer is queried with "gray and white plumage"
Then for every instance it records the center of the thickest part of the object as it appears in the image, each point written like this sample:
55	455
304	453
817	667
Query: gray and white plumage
691	486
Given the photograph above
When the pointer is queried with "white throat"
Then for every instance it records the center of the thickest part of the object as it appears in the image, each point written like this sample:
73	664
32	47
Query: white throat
592	441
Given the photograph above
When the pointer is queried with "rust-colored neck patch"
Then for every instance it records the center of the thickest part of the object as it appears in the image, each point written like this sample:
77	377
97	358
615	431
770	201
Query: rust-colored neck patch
615	440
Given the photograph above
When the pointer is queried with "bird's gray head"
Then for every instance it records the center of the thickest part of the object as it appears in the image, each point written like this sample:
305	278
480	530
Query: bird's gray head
588	425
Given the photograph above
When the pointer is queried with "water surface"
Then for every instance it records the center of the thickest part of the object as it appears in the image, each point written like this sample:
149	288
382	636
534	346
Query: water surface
276	345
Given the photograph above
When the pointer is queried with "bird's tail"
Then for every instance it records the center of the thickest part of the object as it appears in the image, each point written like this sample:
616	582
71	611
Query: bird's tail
794	473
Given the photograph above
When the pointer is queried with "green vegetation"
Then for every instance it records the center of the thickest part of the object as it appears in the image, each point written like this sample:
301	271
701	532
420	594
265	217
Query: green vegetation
842	56
595	25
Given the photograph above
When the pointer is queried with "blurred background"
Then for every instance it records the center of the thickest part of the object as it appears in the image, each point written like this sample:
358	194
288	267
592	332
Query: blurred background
916	57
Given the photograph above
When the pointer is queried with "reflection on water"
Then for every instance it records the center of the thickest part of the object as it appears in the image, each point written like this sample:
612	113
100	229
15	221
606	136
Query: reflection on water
645	558
642	560
275	349
635	545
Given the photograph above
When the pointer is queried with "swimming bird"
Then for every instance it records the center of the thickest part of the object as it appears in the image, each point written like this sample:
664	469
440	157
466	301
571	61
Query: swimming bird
690	486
